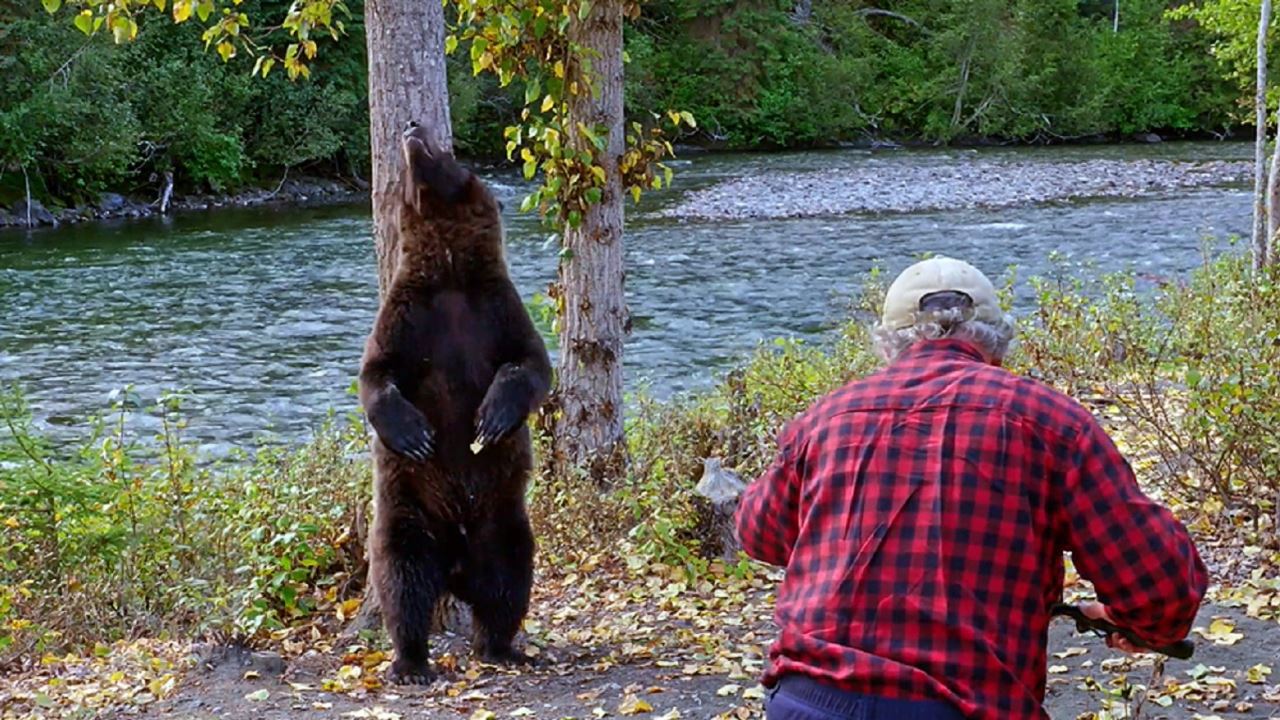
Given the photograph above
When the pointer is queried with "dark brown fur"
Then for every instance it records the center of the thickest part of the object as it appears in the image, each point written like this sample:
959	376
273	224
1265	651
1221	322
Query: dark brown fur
453	357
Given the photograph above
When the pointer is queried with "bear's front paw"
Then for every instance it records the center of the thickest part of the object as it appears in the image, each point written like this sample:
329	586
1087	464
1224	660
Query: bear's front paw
405	431
410	674
494	421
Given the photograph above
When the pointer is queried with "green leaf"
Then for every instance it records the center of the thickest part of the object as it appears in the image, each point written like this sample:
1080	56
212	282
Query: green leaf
51	6
84	22
688	119
584	9
120	30
204	8
530	167
451	44
575	218
593	195
266	66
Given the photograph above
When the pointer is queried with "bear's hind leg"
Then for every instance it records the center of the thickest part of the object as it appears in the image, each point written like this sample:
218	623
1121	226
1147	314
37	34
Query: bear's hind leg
408	573
497	577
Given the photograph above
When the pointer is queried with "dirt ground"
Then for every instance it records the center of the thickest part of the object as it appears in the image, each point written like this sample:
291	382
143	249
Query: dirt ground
580	682
618	641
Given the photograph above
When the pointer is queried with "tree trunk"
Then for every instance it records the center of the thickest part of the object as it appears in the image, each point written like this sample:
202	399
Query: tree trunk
588	433
407	81
1260	144
1273	201
964	84
803	12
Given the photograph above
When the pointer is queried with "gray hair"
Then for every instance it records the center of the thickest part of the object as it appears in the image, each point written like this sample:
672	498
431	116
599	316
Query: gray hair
952	322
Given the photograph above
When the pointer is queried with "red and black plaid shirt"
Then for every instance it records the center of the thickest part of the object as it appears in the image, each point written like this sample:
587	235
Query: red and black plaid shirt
921	514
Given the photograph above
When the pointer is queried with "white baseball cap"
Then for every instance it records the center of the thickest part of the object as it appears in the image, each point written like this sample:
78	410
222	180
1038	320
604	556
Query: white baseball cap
935	275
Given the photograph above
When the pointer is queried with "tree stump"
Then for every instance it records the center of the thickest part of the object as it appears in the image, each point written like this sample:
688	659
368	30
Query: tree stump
721	488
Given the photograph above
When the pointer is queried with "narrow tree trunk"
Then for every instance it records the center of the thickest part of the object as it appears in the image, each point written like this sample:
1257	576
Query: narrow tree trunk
1260	144
407	81
588	433
1115	17
964	85
804	12
1273	200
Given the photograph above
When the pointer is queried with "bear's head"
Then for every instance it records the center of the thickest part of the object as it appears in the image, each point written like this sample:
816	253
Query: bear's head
444	200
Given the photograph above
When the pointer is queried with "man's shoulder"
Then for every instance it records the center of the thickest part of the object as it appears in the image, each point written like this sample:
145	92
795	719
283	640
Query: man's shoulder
972	384
1033	400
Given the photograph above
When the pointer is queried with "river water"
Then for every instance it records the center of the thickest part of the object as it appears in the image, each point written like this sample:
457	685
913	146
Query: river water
262	313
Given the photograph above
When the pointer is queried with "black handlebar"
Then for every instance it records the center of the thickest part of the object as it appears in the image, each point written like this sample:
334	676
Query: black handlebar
1182	649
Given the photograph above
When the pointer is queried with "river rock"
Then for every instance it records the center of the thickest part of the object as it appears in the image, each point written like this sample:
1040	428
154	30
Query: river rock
1148	138
40	215
111	202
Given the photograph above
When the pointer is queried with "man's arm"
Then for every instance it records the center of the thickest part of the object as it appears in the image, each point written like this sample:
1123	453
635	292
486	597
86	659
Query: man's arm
1140	559
768	516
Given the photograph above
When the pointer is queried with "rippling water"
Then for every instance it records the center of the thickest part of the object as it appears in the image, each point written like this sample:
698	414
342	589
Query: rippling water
262	313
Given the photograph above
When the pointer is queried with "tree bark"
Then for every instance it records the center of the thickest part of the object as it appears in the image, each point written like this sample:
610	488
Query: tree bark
1260	144
407	81
588	432
1273	201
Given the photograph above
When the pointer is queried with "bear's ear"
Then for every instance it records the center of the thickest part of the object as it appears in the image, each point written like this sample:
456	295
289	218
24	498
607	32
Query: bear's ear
437	171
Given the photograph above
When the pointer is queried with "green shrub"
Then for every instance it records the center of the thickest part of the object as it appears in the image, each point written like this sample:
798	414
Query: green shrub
110	536
1192	370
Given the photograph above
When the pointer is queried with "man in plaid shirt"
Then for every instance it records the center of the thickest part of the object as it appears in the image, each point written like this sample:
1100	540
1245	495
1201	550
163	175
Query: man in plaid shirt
921	514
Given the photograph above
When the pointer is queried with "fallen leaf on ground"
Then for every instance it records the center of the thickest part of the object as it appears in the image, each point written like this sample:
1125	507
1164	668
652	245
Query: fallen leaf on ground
633	705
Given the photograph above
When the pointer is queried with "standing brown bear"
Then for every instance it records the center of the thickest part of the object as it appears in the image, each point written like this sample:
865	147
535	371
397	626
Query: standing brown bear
451	371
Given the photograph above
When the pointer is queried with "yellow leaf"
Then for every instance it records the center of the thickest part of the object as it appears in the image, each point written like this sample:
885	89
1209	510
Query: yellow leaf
226	50
755	693
1258	674
258	695
548	102
1222	632
483	714
633	705
182	10
727	690
521	712
559	69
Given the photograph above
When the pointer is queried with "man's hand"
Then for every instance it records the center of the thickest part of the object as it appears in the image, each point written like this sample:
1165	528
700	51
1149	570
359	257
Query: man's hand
1098	611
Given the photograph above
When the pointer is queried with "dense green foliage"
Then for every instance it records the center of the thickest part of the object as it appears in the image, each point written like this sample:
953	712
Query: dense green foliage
1029	70
116	533
81	115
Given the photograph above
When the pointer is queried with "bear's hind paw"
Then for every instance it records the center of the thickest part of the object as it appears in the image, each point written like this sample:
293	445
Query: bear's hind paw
410	674
509	657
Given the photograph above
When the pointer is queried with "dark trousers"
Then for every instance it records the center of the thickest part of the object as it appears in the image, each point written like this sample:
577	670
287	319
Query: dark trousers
800	698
